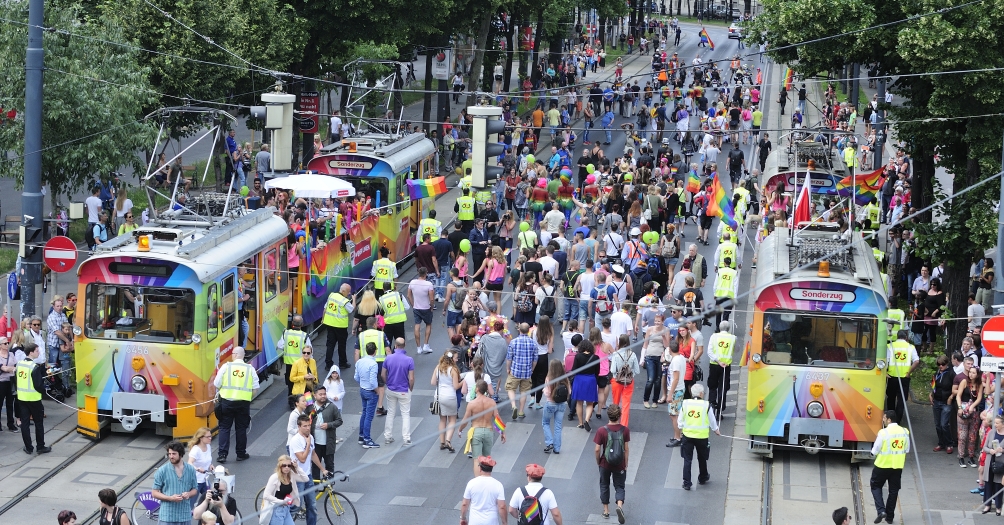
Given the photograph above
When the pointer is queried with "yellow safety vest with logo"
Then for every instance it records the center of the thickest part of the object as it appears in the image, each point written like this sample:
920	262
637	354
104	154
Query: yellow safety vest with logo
745	194
465	182
900	317
695	419
483	196
724	286
376	337
466	206
900	363
237	383
850	159
25	387
879	255
293	340
893	453
384	274
720	347
872	214
430	226
729	249
335	313
393	308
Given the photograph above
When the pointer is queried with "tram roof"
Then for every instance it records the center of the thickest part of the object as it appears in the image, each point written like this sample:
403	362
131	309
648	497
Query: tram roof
795	159
851	262
208	250
397	151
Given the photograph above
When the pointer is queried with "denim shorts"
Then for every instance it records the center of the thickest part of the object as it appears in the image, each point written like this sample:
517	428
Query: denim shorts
454	318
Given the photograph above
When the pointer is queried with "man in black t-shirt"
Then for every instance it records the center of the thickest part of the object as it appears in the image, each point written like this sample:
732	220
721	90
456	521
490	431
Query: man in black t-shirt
585	160
736	163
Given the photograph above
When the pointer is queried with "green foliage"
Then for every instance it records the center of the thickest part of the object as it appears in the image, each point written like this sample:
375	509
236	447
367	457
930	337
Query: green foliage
93	95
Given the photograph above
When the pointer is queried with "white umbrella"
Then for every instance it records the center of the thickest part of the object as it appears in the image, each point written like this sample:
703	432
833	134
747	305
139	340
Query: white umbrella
313	186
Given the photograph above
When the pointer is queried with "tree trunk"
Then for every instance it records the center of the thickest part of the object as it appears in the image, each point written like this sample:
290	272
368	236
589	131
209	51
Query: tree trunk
536	45
474	83
748	6
923	177
603	30
955	281
427	97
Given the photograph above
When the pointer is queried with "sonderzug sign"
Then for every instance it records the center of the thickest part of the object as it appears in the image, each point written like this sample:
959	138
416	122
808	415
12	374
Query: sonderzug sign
832	296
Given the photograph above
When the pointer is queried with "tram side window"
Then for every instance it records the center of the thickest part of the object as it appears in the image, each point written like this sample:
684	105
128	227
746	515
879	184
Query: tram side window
270	276
213	314
229	301
139	313
817	340
284	268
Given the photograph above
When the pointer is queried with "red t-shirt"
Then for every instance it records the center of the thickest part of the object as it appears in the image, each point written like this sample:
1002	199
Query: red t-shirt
601	440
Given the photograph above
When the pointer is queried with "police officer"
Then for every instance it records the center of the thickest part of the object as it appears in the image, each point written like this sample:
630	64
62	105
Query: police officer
429	225
465	211
379	339
902	360
29	396
720	346
336	317
696	422
726	284
890	449
384	271
291	344
236	382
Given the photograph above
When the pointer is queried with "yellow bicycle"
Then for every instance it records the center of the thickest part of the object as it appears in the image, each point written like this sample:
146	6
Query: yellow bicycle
337	508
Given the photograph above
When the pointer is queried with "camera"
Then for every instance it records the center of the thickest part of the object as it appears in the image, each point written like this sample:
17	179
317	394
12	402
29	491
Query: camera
216	494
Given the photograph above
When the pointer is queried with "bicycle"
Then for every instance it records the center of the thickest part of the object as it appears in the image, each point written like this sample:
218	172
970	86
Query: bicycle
337	508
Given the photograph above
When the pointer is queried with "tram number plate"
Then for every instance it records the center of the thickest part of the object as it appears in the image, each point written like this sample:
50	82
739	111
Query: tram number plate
992	364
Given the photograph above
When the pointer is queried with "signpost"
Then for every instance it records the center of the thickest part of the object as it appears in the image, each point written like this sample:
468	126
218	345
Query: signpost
60	254
310	102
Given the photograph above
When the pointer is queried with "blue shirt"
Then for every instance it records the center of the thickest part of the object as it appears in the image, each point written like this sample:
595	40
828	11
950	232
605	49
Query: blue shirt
522	355
168	482
608	118
231	145
366	373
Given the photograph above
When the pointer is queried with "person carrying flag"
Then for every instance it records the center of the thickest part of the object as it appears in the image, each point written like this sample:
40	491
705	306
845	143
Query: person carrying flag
484	417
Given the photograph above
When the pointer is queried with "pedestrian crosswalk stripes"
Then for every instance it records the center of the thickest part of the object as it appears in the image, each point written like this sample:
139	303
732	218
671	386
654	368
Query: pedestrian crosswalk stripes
438	458
636	449
573	442
383	455
505	455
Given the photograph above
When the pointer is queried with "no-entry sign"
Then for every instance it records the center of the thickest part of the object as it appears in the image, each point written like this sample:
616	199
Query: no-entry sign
993	336
60	254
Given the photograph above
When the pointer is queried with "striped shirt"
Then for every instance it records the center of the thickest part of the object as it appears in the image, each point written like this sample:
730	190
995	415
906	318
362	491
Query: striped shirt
168	482
522	354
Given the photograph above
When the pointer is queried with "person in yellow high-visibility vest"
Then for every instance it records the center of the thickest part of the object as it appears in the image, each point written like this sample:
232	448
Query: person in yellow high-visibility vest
395	313
696	422
726	285
890	449
892	328
236	382
872	213
290	345
384	273
466	208
382	343
429	225
727	249
902	360
337	310
28	377
720	347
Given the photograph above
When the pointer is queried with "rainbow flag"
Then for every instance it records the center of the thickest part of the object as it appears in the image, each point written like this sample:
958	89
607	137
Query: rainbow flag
532	511
789	78
499	425
865	186
693	183
424	188
704	34
720	204
309	397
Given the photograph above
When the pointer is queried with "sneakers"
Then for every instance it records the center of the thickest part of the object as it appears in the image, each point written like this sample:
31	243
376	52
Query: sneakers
521	415
972	462
370	444
361	441
221	459
673	443
962	463
620	515
388	441
407	442
548	449
515	413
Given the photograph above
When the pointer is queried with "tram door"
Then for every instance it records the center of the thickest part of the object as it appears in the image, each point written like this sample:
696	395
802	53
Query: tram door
250	282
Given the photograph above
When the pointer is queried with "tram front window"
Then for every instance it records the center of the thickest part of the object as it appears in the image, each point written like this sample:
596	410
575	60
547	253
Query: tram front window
139	313
799	338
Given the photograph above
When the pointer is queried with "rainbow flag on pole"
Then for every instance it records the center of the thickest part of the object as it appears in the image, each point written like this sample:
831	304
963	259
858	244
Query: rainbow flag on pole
704	34
693	183
720	204
424	188
499	425
789	78
865	186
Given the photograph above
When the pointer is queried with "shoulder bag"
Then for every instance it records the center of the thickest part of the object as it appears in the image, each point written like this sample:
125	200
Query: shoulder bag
434	405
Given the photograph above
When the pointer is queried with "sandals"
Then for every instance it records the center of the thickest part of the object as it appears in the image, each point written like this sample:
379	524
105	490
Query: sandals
442	446
449	447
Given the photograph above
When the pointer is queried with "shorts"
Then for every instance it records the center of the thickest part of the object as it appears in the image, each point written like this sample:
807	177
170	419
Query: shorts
674	406
482	441
583	310
454	318
517	385
494	287
380	380
603	381
673	261
423	316
706	222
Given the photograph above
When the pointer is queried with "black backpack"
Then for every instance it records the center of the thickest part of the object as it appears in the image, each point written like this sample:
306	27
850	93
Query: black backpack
531	512
547	306
613	452
560	394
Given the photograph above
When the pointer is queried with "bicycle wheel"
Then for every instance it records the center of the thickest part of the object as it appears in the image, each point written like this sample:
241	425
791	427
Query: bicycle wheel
140	515
339	510
258	499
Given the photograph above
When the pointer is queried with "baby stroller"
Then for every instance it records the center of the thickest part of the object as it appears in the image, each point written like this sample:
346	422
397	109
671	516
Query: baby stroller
55	388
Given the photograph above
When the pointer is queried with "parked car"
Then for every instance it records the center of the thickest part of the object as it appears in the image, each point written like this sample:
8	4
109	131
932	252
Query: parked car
735	31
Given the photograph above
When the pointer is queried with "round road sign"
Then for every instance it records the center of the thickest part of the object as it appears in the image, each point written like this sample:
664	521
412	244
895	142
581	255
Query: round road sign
993	335
60	254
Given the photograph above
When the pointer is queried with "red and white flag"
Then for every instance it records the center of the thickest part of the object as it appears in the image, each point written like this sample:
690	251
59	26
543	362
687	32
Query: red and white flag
803	204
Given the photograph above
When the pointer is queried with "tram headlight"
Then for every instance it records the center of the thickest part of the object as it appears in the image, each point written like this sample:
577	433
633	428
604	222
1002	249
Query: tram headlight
880	364
138	383
756	358
77	331
814	408
196	338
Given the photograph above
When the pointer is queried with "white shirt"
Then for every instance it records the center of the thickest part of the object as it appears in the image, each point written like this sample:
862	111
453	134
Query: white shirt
712	422
614	243
550	265
336	123
880	440
620	324
976	312
677	364
587	281
93	204
126	208
553	220
547	501
203	460
336	391
566	337
320	435
541	293
913	354
484	493
298	443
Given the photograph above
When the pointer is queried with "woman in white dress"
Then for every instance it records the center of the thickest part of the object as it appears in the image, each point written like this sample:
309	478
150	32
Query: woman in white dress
446	379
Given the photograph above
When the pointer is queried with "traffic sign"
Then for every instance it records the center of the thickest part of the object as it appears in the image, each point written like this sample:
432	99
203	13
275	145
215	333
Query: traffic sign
993	335
992	364
60	254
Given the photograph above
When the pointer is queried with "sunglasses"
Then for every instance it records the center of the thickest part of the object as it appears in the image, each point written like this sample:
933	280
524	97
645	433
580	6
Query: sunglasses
286	466
36	324
306	353
128	216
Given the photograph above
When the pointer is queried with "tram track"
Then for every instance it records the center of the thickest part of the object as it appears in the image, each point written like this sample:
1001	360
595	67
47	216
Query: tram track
765	508
38	483
794	486
856	491
133	485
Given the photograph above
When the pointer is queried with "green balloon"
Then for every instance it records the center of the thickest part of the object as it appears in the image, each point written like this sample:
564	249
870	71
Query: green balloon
245	191
524	226
590	168
530	159
465	245
650	237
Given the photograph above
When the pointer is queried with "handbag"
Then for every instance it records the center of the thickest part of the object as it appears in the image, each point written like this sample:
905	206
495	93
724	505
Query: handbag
698	373
434	405
266	513
997	466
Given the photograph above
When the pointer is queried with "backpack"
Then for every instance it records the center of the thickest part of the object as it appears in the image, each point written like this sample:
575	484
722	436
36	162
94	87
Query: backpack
603	303
625	374
547	306
689	304
524	301
530	511
643	120
458	298
560	393
670	249
569	279
613	452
